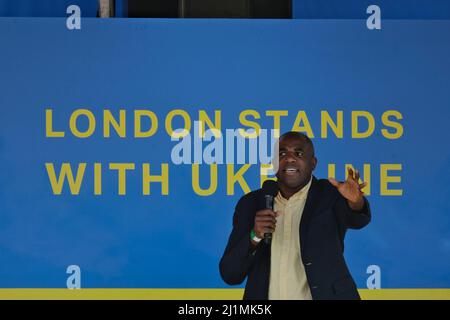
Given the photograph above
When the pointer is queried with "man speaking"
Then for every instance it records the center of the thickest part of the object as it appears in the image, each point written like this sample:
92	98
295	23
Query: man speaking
295	251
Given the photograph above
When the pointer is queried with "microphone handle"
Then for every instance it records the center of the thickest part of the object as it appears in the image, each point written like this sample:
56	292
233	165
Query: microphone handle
269	205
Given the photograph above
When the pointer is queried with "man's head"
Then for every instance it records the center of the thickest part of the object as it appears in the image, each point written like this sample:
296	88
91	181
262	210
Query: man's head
296	161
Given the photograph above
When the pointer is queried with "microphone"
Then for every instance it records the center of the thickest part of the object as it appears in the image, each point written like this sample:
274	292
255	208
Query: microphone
270	190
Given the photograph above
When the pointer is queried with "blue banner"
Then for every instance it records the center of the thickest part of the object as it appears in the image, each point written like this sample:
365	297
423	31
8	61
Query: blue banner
89	175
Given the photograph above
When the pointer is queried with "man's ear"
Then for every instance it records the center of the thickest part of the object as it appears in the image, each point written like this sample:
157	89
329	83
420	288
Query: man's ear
314	163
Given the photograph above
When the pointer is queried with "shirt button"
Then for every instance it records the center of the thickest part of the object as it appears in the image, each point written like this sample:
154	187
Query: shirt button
309	263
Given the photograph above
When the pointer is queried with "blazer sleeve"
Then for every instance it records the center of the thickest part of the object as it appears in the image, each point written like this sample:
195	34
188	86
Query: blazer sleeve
239	253
349	218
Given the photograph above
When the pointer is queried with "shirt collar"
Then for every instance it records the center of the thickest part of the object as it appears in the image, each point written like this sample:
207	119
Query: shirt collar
302	193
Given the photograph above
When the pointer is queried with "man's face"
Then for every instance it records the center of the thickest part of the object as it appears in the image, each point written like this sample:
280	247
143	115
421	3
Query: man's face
296	162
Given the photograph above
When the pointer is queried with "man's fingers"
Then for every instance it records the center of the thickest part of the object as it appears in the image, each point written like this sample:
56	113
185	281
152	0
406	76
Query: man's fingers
266	212
267	225
269	229
362	185
357	176
350	173
265	218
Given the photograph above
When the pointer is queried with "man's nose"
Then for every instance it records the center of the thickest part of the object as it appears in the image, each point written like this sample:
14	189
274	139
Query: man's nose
290	157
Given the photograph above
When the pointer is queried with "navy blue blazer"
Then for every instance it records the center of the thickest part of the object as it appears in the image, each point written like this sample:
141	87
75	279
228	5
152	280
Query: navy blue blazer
325	220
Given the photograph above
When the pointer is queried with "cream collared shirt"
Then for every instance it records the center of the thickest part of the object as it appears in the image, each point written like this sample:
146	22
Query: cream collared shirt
287	272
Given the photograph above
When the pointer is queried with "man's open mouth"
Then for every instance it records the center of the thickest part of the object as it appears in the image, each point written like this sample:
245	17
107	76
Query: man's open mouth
291	170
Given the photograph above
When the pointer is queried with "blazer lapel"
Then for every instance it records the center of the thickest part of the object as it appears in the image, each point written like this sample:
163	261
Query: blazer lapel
308	211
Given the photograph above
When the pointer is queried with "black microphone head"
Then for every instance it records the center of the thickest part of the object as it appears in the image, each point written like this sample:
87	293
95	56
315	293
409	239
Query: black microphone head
270	187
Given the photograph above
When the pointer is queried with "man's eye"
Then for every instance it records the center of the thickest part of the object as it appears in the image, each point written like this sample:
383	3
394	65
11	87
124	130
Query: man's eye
282	154
299	154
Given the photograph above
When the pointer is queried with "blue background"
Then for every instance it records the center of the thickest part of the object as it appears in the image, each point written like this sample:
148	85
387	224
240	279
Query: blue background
177	240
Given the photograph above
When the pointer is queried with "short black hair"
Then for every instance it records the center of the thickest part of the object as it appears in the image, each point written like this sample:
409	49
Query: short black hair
299	135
